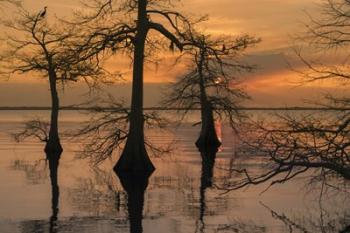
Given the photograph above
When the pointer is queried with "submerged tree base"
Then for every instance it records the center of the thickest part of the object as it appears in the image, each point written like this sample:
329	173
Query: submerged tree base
208	142
208	139
53	147
134	160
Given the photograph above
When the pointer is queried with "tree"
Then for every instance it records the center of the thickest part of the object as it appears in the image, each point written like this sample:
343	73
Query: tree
211	83
130	25
319	143
35	47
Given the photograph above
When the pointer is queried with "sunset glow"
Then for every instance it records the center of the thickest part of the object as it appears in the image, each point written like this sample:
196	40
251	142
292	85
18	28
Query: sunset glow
275	22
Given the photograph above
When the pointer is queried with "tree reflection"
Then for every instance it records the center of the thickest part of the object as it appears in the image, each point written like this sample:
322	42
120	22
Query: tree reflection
55	192
135	185
53	161
208	160
35	172
208	156
95	194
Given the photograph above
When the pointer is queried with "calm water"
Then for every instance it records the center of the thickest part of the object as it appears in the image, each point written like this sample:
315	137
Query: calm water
180	196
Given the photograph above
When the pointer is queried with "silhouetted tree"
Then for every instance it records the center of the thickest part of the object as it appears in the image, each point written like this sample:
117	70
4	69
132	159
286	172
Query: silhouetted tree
35	47
130	24
320	143
211	83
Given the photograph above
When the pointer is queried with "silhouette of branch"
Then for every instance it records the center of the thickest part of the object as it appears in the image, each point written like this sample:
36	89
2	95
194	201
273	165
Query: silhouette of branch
34	46
328	32
320	143
34	129
292	146
110	25
214	64
107	131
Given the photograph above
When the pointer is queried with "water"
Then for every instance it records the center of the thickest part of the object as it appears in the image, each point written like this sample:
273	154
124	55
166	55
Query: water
180	195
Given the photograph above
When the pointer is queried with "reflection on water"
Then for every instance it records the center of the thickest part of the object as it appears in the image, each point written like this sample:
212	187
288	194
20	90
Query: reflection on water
35	172
326	221
208	161
55	190
66	195
135	185
30	169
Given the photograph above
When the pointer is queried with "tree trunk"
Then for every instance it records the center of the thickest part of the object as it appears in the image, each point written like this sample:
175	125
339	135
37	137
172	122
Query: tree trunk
134	158
208	137
53	145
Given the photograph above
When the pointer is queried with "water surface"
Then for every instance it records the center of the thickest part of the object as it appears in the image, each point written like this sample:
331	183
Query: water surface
181	195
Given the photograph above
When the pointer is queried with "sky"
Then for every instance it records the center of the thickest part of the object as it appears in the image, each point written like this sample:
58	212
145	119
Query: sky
276	22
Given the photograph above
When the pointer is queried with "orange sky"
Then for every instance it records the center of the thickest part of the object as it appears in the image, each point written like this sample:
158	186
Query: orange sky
274	21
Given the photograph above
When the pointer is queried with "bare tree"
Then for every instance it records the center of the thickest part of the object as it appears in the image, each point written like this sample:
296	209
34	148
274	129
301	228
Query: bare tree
36	47
316	144
211	83
130	24
327	33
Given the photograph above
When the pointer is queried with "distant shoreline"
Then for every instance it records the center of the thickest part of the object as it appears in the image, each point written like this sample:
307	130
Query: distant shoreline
72	108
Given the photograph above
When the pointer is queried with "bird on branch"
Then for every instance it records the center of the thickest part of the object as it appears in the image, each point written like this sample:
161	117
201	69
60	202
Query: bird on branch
43	13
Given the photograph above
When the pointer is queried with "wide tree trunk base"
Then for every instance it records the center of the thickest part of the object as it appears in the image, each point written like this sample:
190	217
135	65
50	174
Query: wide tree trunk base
208	142
53	147
134	160
208	139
